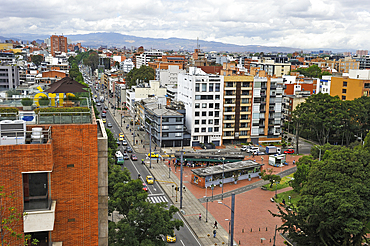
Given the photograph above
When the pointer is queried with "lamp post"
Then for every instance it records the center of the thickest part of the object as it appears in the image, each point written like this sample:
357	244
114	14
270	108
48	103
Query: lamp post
223	176
319	153
228	236
232	209
181	163
206	208
276	187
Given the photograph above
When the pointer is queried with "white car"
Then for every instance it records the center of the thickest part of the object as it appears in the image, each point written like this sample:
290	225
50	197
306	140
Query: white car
245	148
124	142
254	150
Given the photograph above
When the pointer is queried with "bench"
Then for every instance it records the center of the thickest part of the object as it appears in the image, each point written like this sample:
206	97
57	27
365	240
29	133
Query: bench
263	188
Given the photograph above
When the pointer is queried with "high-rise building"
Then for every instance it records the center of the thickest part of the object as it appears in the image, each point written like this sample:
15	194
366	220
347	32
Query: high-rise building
58	44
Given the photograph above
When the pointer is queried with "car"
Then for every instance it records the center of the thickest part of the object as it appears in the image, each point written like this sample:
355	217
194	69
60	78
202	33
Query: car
103	115
104	111
125	156
98	104
245	148
171	238
129	149
95	96
124	142
104	121
121	135
153	155
145	187
133	157
289	151
121	138
149	179
118	143
109	124
106	107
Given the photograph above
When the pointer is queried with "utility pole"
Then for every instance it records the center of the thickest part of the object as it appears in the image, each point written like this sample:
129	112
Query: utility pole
297	138
150	146
182	152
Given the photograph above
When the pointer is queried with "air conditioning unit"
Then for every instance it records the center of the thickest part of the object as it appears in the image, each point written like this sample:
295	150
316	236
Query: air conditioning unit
12	132
36	136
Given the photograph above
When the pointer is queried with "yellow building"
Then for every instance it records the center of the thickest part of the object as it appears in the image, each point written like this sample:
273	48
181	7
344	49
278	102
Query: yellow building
6	46
237	109
349	88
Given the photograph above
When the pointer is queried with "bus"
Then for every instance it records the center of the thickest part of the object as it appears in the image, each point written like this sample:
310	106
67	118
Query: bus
119	158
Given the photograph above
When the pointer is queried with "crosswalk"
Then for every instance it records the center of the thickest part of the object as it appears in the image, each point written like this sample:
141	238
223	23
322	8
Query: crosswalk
157	199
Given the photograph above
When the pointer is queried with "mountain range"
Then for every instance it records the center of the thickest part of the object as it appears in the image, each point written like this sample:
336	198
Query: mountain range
118	40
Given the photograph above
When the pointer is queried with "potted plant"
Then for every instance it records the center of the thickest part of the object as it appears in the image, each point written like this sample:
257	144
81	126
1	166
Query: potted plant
220	183
236	178
249	177
27	103
44	101
259	175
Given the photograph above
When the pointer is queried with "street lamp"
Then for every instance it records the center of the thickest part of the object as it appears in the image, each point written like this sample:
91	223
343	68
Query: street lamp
228	239
276	187
223	176
206	208
319	153
232	209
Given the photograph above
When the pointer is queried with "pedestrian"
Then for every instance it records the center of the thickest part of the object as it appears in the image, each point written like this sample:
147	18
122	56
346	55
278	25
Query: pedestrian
214	233
215	225
138	175
141	140
283	202
169	163
200	216
253	154
157	160
293	162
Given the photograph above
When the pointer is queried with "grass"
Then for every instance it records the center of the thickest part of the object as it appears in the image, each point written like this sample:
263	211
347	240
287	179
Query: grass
283	183
294	197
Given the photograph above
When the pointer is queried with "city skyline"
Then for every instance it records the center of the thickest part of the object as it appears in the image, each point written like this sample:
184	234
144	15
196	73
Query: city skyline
338	24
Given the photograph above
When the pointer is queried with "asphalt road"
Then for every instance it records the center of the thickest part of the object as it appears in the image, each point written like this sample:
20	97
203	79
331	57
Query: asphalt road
185	236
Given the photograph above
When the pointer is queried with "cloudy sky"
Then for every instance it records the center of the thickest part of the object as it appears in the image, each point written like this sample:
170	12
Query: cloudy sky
343	24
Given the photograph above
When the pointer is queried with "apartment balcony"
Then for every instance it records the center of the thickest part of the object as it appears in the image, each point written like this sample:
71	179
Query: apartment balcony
40	220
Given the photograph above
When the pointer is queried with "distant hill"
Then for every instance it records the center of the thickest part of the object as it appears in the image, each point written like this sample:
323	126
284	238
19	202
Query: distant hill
119	40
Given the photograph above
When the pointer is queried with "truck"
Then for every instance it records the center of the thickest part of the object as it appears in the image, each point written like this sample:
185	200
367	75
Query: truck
271	150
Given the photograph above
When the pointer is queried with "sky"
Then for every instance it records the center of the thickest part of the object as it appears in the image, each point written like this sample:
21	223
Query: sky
337	24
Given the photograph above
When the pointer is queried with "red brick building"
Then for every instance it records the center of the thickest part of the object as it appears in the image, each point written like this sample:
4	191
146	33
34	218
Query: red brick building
55	181
58	44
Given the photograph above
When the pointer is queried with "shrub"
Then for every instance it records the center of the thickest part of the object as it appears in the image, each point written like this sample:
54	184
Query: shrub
27	101
44	101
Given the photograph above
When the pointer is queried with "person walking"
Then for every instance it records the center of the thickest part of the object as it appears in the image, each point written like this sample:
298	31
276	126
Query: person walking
214	233
215	225
200	216
293	162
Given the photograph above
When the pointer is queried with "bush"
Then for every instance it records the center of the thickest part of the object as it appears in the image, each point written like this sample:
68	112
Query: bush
44	101
9	110
27	101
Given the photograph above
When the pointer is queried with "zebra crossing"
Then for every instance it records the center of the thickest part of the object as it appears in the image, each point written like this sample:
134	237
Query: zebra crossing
157	199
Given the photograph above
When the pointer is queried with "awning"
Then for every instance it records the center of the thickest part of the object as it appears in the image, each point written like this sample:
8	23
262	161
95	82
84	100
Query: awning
209	160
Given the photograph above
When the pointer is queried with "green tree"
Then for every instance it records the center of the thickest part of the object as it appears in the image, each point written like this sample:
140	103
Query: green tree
334	208
301	175
270	177
143	74
136	226
37	59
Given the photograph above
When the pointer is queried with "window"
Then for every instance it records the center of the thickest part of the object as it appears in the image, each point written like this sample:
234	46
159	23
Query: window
217	106
196	113
217	113
204	113
204	105
165	134
204	87
210	87
210	129
195	138
178	119
165	119
204	129
343	97
197	105
196	122
217	97
35	191
196	129
178	134
217	122
344	83
204	121
217	87
210	113
165	127
210	105
197	97
344	91
210	122
216	129
197	87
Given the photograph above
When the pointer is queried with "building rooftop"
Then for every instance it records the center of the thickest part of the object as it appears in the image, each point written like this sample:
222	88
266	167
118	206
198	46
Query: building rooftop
229	167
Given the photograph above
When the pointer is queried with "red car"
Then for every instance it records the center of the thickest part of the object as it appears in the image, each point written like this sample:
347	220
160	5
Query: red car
289	151
104	111
145	187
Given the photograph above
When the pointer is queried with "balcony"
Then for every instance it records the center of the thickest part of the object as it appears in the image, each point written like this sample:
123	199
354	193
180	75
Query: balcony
40	220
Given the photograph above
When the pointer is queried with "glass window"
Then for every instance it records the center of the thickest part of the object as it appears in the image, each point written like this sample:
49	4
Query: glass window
210	129
178	134
210	105
196	122
210	113
344	83
197	97
204	113
344	91
165	119
210	121
196	113
178	119
217	97
196	129
35	191
217	106
217	87
165	134
210	87
204	121
197	105
204	87
204	105
217	129
197	87
195	138
217	113
343	97
204	129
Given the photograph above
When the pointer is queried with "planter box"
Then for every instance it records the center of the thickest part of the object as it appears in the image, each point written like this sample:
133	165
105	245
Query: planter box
27	108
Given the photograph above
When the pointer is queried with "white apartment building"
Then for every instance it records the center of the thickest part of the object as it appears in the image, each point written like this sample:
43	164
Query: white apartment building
146	57
323	85
142	91
202	95
127	65
169	76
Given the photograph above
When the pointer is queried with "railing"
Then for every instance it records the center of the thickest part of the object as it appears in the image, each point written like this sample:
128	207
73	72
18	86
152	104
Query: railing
64	118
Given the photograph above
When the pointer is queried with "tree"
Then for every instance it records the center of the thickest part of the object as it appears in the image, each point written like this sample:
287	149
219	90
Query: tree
270	177
334	208
136	226
10	218
143	74
37	59
301	175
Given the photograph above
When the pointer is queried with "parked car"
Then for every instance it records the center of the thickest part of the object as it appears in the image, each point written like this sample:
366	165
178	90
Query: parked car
103	115
149	179
125	156
171	238
104	111
109	124
129	149
245	148
133	157
104	121
289	151
106	107
124	142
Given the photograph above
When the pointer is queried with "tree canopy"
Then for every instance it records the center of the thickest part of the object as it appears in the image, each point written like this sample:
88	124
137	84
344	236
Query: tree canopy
143	74
334	208
37	59
313	71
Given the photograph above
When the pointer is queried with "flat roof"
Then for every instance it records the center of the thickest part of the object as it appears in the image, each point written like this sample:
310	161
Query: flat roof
229	167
